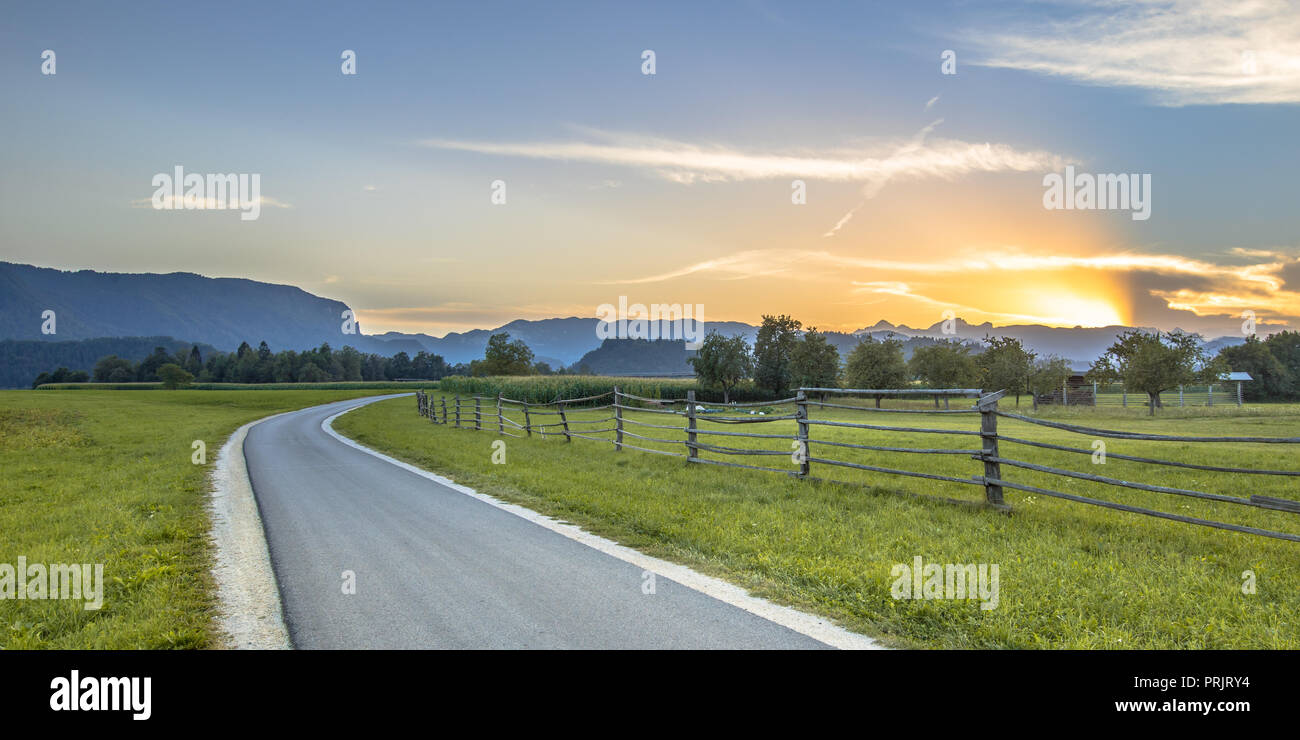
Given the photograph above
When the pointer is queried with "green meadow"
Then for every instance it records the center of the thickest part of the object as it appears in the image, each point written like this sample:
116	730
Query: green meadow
106	477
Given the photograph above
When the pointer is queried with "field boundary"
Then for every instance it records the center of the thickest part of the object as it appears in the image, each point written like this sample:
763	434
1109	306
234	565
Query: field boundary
993	480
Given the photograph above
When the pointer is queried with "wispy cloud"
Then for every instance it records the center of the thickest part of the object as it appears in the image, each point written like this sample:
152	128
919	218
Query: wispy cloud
686	162
1187	52
874	167
876	182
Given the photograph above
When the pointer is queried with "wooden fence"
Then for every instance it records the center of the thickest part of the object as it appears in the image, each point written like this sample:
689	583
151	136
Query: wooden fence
988	455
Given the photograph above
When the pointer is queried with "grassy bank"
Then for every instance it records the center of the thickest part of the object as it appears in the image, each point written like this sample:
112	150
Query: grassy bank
106	477
1071	575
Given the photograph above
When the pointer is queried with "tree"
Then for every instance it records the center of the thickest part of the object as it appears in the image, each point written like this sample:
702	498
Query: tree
311	373
62	375
773	350
722	362
399	367
877	366
174	376
504	357
945	364
1270	378
1046	375
1285	346
147	371
814	362
350	361
113	369
194	361
1005	365
1151	363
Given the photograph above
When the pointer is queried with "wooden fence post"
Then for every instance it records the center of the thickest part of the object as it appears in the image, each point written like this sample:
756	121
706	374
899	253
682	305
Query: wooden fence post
458	411
444	409
988	408
618	423
801	414
692	452
564	420
478	413
528	422
501	426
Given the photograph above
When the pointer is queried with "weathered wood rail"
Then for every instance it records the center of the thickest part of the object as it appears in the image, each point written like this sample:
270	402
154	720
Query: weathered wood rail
699	418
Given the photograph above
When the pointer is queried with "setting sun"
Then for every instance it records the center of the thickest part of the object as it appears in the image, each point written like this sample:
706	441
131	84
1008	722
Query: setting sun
1076	310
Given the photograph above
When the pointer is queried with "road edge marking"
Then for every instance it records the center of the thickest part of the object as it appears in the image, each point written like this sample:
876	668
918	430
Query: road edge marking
249	613
818	628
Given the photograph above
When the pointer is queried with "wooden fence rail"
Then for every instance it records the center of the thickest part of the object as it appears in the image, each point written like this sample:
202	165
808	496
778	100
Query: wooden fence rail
989	454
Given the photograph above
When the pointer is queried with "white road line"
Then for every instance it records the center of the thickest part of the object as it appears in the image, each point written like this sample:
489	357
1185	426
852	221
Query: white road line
248	599
815	627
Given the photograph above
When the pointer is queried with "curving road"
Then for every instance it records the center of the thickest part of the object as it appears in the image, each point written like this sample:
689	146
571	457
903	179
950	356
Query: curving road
436	568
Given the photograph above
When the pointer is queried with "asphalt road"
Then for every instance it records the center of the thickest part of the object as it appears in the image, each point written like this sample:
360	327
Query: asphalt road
435	568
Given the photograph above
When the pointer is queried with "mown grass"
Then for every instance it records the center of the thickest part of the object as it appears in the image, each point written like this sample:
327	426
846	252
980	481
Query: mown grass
1072	575
106	477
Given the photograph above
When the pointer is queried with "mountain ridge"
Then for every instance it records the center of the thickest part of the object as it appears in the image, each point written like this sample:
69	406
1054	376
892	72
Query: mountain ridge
223	312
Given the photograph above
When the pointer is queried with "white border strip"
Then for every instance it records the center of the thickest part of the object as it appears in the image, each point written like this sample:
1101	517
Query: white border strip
812	626
248	599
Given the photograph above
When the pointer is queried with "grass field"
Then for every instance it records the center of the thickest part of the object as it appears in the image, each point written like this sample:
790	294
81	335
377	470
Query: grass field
1071	575
345	385
106	477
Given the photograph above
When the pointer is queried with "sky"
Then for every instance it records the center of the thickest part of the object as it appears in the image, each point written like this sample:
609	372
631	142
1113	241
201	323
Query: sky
922	137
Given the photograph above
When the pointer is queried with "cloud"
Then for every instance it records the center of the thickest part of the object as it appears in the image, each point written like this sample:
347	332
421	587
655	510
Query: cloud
1186	52
687	163
930	103
1201	286
904	290
876	183
460	315
874	167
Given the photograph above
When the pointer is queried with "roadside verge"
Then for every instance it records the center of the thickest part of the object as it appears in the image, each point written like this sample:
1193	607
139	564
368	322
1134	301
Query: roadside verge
248	600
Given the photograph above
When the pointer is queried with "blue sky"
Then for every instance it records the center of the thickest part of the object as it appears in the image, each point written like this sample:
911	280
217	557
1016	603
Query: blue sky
385	175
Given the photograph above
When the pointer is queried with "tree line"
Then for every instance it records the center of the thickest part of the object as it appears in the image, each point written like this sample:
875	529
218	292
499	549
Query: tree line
786	356
320	365
261	365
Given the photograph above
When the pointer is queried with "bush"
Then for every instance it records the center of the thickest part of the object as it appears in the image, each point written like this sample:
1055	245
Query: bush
174	376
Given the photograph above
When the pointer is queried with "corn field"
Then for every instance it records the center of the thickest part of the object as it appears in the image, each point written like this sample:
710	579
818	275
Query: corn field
546	388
